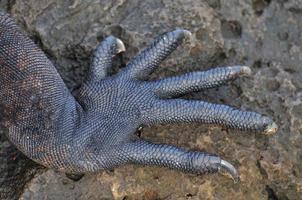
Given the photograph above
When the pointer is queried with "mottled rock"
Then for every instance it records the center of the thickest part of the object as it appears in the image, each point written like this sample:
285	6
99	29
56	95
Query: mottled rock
260	33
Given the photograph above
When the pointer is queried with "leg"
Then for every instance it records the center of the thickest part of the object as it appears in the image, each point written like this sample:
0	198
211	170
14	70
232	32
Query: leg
178	110
146	153
196	81
102	57
146	62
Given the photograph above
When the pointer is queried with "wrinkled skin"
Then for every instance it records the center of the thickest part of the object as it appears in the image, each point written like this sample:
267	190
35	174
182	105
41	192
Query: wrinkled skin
95	130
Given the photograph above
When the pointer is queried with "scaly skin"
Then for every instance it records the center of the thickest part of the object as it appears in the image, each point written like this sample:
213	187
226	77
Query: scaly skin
95	130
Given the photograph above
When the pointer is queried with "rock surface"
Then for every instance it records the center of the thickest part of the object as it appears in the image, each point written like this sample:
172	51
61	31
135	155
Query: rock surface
264	34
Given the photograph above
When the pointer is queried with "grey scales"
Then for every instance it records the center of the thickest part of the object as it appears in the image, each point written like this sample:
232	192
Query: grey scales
95	129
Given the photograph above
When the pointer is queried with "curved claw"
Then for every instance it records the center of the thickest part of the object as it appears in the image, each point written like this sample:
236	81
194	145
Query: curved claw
271	129
187	34
230	170
245	71
103	56
120	47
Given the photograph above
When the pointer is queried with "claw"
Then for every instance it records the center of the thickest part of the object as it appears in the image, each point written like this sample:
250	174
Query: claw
240	70
271	129
230	170
245	71
188	35
120	47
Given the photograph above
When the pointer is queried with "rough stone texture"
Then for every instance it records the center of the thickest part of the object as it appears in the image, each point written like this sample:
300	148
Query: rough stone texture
264	34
